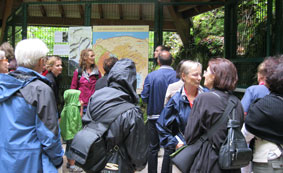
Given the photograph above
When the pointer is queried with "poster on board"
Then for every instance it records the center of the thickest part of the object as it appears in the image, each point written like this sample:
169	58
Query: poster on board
80	38
123	42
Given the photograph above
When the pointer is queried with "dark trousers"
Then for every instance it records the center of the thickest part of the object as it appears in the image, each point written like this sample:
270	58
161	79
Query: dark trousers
154	147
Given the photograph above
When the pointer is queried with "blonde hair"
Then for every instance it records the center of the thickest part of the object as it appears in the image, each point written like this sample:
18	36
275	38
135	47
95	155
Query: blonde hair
51	61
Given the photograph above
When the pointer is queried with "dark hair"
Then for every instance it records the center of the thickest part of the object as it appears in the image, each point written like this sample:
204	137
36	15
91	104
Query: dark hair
225	73
164	47
267	67
165	60
108	63
275	80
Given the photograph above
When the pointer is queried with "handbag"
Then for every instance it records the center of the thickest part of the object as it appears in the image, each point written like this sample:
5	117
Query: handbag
234	153
184	157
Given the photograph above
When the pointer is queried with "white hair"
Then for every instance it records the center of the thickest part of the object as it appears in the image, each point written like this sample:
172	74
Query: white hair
29	51
2	54
188	65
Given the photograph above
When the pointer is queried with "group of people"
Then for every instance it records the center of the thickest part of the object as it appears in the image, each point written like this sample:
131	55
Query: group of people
190	110
179	111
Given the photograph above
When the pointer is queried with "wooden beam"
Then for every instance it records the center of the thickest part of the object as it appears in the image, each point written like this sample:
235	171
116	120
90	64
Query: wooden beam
61	9
100	11
182	8
140	11
201	9
42	9
81	10
182	26
58	21
120	11
6	13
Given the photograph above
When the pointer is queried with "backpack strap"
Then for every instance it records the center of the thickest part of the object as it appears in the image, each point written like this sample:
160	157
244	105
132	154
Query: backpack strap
80	71
280	148
232	100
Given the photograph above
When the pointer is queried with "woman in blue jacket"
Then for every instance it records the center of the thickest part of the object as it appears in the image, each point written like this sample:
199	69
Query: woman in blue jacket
173	119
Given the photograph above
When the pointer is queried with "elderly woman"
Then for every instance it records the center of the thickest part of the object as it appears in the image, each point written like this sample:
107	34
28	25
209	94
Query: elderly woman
3	63
30	138
221	74
264	121
173	119
85	77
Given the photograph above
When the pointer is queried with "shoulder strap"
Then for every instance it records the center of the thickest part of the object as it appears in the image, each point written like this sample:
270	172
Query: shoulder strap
280	148
232	100
79	75
111	116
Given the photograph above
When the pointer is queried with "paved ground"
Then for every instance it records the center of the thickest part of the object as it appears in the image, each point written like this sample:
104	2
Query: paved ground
160	156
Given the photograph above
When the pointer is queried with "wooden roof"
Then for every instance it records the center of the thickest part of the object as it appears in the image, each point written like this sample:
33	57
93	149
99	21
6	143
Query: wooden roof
109	12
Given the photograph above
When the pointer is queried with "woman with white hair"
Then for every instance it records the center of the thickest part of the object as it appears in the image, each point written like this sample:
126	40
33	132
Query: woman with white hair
173	118
3	62
30	140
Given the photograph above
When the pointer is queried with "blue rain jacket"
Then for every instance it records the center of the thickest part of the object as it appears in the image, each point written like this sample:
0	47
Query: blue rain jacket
173	119
30	137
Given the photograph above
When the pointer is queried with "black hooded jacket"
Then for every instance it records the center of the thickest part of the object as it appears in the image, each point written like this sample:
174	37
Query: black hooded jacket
128	131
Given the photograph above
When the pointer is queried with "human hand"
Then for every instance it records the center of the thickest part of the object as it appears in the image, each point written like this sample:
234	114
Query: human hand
179	145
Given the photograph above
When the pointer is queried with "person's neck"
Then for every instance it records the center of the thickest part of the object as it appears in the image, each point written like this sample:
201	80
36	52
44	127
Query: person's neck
192	91
88	68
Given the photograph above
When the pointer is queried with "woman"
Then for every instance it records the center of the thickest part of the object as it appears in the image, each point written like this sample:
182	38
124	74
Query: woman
255	92
3	63
174	87
9	53
222	76
54	67
264	120
259	91
172	121
85	82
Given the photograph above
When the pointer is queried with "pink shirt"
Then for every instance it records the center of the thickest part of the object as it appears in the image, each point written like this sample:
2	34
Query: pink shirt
86	84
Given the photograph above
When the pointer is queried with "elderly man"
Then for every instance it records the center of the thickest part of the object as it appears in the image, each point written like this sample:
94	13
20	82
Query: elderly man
154	90
30	136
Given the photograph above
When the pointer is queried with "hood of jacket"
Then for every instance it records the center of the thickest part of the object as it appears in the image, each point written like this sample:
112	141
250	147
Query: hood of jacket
122	76
121	90
71	97
12	82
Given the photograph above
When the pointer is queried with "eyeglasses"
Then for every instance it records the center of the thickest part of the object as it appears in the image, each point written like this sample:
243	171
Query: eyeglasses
4	60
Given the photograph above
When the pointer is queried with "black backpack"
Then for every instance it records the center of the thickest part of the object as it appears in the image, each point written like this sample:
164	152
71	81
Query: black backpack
234	152
89	148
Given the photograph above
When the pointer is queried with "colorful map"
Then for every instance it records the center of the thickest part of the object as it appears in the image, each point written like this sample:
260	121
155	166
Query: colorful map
123	42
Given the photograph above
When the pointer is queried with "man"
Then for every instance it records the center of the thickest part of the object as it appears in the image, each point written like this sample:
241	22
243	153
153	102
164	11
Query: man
127	132
157	51
30	136
154	90
107	65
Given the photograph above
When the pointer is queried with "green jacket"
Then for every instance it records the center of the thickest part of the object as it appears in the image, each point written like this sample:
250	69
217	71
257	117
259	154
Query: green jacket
71	121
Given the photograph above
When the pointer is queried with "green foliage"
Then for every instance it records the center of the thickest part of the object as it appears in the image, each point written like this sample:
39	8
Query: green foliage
46	34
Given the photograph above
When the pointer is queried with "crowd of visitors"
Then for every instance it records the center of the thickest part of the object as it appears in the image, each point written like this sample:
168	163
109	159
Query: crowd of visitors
104	110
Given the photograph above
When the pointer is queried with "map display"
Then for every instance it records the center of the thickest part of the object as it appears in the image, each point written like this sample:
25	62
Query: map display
79	39
123	42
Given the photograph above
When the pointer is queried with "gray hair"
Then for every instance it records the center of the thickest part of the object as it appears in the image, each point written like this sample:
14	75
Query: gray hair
2	54
29	51
188	65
